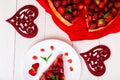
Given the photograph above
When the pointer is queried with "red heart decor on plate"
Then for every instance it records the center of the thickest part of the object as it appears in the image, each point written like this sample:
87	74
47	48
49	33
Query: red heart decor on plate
95	58
23	21
34	69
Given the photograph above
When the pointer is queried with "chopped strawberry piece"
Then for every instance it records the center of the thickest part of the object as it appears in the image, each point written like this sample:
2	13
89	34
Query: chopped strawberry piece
35	66
32	72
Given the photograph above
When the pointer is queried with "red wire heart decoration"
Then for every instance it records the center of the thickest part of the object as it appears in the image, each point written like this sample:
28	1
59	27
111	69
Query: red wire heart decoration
95	58
23	21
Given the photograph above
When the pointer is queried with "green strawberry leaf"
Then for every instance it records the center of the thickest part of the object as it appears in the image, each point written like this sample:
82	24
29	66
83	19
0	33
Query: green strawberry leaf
57	78
49	56
53	77
46	58
69	10
106	14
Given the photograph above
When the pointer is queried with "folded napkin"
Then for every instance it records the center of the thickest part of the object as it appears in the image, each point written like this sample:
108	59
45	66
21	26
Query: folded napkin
79	30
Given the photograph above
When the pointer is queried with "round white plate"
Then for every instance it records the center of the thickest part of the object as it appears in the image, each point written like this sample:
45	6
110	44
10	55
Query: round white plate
43	49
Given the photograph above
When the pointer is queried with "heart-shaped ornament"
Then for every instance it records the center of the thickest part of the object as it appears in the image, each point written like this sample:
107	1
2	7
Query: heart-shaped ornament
95	58
23	21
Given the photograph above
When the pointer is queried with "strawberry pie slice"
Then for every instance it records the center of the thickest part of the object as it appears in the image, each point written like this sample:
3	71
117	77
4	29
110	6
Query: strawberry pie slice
55	71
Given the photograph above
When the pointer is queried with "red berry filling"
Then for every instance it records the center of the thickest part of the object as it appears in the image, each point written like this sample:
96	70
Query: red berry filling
55	71
69	9
105	12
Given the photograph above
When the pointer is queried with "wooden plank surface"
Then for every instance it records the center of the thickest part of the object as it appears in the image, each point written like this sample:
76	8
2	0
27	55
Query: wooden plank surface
112	64
24	44
81	47
7	36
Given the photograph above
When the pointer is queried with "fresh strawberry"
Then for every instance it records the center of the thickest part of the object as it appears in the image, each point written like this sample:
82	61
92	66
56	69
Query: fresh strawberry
110	4
97	2
105	1
109	18
61	10
114	11
80	6
74	6
62	77
87	1
49	74
101	22
75	1
35	66
97	9
95	16
101	14
75	13
89	18
69	1
32	72
93	26
106	9
101	5
68	16
57	3
64	2
117	4
92	6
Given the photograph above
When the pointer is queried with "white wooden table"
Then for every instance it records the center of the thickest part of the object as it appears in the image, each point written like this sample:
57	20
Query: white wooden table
13	46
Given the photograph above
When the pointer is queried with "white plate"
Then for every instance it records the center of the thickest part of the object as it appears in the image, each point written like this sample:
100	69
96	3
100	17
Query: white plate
59	48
